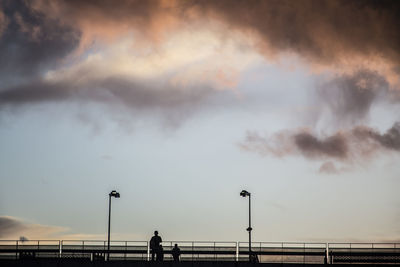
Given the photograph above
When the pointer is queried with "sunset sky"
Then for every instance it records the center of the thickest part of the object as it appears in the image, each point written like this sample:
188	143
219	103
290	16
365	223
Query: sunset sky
181	104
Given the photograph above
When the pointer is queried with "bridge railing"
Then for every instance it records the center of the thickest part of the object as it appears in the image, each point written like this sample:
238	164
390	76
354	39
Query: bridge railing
29	248
202	250
364	253
98	250
271	252
285	252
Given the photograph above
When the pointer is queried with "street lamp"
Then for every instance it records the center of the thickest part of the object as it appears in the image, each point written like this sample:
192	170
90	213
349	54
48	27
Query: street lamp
244	193
116	195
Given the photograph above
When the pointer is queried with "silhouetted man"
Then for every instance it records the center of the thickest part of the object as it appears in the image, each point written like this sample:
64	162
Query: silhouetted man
155	245
160	253
176	252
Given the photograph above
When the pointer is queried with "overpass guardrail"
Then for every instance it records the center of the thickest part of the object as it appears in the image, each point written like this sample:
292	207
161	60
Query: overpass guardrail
266	252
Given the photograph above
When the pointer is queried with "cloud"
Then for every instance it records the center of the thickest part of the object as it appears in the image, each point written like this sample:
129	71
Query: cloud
320	30
359	143
349	97
38	91
30	45
336	34
14	228
169	103
344	102
334	146
161	57
105	21
323	31
328	168
390	140
279	145
9	225
72	55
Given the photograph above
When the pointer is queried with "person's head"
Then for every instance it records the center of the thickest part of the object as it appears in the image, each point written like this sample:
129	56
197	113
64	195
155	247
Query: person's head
176	245
156	233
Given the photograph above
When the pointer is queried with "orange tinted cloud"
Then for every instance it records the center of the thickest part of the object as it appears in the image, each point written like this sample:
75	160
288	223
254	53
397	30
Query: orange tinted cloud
336	35
343	36
106	21
317	30
14	228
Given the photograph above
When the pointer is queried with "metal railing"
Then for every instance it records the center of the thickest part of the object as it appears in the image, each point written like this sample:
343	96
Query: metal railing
202	250
285	252
268	252
364	253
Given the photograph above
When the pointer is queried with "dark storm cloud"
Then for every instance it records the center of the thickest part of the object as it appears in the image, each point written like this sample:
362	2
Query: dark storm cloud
31	43
318	30
9	225
321	30
359	142
390	140
168	102
143	96
42	32
333	146
351	96
33	92
37	35
37	38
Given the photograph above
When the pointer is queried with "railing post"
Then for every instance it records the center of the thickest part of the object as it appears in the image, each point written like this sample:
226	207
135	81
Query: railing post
351	258
126	248
16	250
215	255
148	251
237	251
326	253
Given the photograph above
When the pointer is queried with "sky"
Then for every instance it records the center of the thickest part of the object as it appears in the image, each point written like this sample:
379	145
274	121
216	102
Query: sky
179	105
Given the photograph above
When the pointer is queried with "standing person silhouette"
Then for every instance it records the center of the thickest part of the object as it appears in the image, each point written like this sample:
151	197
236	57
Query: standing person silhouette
160	253
176	252
155	245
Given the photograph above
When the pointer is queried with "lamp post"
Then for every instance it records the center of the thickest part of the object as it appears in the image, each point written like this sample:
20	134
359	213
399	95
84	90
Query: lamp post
116	195
244	193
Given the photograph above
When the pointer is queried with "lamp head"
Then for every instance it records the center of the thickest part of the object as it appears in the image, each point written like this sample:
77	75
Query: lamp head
244	193
115	194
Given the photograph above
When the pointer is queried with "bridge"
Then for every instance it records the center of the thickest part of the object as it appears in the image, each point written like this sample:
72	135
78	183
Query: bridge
203	251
